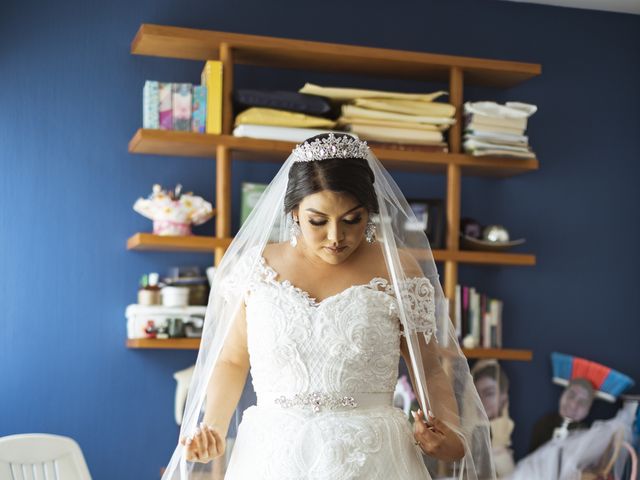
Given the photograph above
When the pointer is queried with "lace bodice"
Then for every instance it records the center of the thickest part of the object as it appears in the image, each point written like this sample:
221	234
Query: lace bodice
348	342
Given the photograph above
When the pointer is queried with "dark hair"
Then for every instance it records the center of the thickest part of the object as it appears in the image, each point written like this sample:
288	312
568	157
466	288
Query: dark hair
494	372
345	175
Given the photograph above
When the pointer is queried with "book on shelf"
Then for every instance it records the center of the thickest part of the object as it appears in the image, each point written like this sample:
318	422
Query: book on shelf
199	109
478	318
150	113
212	79
165	107
181	106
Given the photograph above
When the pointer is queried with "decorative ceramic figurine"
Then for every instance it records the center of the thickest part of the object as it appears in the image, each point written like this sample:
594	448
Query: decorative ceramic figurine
173	212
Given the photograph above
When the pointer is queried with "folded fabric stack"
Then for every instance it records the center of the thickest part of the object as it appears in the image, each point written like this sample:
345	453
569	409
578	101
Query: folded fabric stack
408	119
497	130
281	115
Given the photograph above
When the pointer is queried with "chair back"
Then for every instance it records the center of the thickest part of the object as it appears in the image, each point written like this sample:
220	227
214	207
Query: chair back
41	456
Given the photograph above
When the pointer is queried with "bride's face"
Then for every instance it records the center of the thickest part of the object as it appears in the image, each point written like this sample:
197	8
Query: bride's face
332	224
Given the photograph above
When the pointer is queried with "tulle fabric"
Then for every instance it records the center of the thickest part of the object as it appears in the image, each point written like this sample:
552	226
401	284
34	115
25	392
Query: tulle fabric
439	369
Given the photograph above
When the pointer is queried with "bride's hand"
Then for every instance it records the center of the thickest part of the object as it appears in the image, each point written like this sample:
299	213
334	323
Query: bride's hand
436	439
204	445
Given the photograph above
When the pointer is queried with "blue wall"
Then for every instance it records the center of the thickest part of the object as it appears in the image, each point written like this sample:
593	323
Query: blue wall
71	99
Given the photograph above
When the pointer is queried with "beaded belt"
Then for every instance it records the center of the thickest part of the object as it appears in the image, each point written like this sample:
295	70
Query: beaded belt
316	401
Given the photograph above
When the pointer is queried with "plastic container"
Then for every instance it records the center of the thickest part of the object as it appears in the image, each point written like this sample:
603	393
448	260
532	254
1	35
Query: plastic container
149	294
175	296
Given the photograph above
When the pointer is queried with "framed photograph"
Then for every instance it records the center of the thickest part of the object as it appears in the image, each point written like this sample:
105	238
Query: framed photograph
431	219
251	193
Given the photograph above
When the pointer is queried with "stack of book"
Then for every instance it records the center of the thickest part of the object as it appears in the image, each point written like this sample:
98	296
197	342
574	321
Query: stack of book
184	106
497	130
478	318
381	117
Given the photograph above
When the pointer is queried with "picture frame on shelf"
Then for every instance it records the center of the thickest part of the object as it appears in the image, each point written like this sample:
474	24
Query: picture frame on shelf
430	215
251	193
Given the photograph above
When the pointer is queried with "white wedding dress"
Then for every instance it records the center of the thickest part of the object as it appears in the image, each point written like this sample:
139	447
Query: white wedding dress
310	363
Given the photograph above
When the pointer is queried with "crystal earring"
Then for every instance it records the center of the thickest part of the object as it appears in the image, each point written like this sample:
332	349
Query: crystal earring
294	231
370	232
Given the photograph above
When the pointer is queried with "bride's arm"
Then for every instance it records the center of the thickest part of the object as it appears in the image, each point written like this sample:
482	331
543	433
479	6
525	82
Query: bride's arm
439	438
229	376
440	391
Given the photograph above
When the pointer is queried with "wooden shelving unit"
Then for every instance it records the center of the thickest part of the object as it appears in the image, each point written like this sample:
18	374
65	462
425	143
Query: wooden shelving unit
235	49
194	344
167	142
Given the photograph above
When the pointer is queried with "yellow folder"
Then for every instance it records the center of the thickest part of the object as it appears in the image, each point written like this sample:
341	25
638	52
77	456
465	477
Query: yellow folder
379	122
344	94
280	118
409	107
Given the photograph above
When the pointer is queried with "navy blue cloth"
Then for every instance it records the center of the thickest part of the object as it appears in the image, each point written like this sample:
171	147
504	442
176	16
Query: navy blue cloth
283	100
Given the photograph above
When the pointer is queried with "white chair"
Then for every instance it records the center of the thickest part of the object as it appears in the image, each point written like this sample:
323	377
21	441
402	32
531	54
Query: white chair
41	456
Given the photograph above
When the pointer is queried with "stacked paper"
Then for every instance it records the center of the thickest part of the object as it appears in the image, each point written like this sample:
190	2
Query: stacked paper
497	130
391	117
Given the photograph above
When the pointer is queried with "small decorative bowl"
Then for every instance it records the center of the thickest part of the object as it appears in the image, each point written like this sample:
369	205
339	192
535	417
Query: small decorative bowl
470	243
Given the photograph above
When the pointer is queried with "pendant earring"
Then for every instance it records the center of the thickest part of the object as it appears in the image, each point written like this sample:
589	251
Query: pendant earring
294	231
370	232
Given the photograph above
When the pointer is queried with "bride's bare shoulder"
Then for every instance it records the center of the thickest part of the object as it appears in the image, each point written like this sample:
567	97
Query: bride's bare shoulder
375	256
275	252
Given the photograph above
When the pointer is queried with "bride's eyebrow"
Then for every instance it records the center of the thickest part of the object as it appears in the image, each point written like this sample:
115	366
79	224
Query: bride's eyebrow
325	215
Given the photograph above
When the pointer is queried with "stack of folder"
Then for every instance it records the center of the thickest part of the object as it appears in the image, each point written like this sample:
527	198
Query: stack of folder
391	117
497	130
281	115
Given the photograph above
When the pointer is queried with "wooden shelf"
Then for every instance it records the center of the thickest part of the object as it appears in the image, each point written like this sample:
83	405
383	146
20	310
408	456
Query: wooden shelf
499	354
491	258
193	243
165	344
194	344
196	44
174	143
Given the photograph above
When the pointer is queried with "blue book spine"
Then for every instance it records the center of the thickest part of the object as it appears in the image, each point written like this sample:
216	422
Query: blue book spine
150	102
199	109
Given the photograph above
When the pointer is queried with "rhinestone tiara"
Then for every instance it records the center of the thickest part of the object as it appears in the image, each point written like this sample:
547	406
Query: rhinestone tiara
331	147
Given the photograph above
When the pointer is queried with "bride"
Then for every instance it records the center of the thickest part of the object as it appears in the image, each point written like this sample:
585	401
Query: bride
323	289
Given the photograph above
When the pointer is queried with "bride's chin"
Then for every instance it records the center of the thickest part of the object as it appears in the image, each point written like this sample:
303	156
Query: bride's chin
334	257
